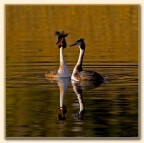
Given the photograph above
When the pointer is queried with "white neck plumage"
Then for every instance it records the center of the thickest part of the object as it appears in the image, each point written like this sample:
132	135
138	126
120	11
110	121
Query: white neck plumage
62	61
78	66
63	70
80	59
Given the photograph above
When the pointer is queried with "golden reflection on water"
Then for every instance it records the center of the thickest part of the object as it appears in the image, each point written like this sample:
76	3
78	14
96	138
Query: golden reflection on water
110	31
111	35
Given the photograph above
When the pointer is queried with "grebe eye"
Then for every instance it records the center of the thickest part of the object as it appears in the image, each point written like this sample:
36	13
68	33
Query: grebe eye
77	43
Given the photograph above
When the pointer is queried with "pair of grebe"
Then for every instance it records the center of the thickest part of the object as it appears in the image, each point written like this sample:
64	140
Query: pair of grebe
78	73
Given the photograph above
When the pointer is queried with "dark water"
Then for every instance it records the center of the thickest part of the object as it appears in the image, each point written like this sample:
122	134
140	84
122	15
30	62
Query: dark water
32	102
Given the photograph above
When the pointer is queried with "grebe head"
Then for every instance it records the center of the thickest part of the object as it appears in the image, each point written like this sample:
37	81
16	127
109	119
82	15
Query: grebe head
79	43
61	39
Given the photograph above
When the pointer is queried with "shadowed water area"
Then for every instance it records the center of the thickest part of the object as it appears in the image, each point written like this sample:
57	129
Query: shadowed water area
90	110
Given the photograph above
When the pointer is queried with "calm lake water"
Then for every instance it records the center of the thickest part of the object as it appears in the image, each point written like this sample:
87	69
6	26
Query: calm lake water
32	102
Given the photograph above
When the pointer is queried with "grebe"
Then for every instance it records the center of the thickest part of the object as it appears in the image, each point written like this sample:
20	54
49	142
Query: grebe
78	73
63	70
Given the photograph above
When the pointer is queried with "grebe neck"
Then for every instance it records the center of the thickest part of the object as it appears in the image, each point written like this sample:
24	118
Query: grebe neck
78	66
62	55
63	70
80	59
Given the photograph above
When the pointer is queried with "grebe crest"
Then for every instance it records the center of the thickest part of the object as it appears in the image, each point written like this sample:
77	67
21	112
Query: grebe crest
61	39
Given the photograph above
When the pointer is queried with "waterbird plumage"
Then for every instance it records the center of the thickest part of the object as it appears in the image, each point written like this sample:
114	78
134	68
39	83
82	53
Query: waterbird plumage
78	73
63	70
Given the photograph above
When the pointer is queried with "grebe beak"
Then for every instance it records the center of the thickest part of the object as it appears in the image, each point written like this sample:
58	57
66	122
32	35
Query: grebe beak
73	44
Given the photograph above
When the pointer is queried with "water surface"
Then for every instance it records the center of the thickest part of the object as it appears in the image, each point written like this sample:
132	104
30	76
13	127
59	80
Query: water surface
33	102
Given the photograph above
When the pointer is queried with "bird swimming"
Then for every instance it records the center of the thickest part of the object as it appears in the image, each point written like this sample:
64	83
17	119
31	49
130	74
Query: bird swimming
63	70
78	73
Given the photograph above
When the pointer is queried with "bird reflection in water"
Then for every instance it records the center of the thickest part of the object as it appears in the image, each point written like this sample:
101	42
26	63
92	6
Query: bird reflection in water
63	84
78	88
78	92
